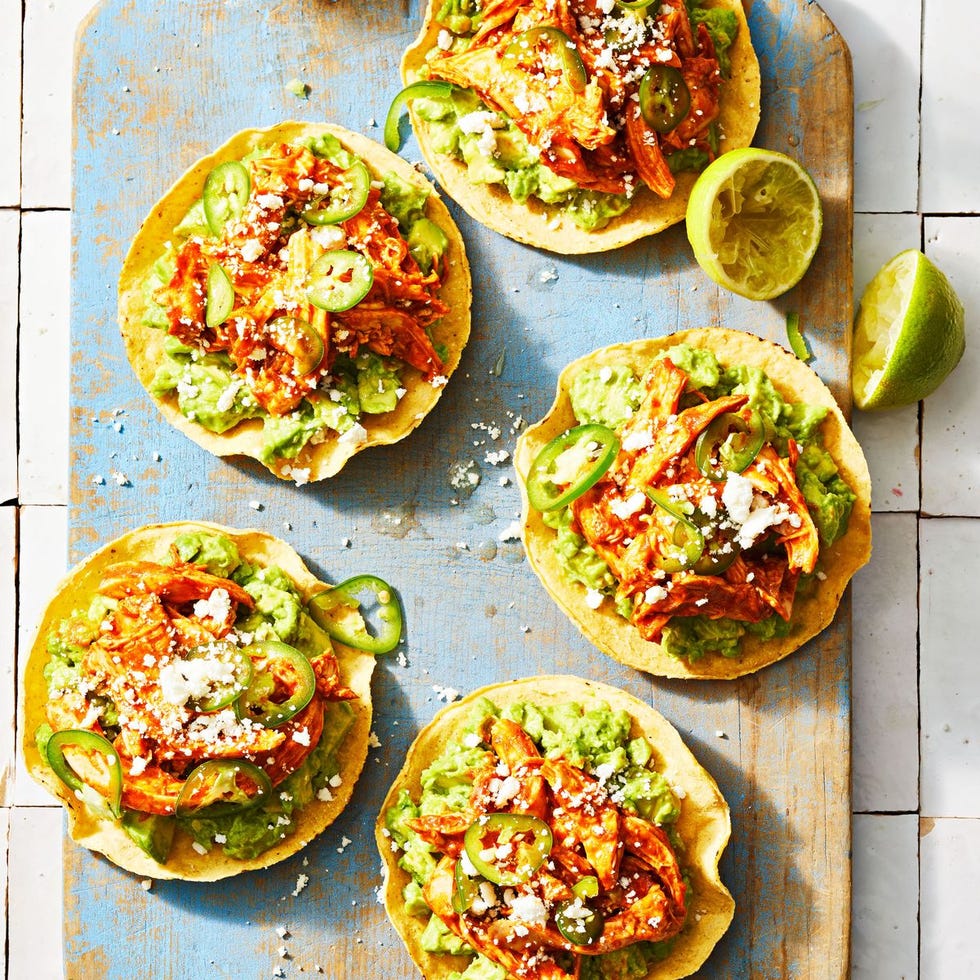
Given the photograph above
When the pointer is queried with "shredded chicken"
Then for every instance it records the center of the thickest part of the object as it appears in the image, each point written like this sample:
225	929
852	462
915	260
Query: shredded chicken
641	892
591	133
658	447
163	613
267	254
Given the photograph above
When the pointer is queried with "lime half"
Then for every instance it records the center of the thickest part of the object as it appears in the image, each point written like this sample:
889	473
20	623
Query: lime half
754	221
908	333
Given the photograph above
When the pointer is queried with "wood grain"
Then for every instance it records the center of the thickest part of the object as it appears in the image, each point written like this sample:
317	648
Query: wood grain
158	85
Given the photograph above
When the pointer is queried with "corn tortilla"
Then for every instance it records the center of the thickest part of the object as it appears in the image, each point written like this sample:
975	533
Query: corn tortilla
535	223
151	543
144	344
704	824
616	636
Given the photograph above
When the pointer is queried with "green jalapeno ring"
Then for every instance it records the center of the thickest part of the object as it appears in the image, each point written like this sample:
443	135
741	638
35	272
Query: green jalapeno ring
587	887
687	536
505	827
86	741
664	98
731	440
224	694
219	300
549	40
633	4
426	89
298	338
339	280
599	446
343	201
280	661
337	611
576	927
220	782
226	192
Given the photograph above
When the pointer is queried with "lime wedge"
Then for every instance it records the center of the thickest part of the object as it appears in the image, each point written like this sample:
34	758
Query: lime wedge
908	333
754	221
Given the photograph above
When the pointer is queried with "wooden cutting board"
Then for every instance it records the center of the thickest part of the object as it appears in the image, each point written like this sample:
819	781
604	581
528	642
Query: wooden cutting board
158	85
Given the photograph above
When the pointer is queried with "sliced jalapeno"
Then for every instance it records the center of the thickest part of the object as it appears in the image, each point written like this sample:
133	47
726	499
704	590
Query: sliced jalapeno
578	923
687	538
237	673
729	444
343	201
222	786
465	889
587	887
428	89
339	280
219	300
633	4
721	548
795	336
282	684
507	848
95	767
540	46
664	98
570	464
226	192
300	339
341	612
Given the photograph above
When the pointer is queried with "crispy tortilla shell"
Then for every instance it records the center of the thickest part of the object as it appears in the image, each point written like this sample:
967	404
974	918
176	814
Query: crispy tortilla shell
536	223
144	344
704	824
812	613
151	543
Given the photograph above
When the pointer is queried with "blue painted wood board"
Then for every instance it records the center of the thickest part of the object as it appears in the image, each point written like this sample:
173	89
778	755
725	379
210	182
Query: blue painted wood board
159	84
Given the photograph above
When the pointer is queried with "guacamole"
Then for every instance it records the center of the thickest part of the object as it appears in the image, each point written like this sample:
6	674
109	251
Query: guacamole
609	395
595	738
278	617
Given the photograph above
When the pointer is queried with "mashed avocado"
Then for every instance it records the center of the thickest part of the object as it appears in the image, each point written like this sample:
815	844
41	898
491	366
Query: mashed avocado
609	395
596	740
210	392
495	151
278	615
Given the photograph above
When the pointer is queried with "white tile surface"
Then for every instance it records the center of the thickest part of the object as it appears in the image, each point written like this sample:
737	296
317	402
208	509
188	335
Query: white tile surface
890	439
43	563
49	38
8	619
949	684
884	43
951	415
34	919
885	753
950	176
10	50
884	37
950	870
4	834
44	357
9	243
884	935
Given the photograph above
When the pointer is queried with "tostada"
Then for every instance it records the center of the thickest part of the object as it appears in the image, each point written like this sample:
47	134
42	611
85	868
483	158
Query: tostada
554	828
184	700
297	296
696	504
578	125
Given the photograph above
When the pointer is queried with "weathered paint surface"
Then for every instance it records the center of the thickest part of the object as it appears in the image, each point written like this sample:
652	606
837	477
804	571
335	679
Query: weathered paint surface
157	85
